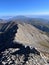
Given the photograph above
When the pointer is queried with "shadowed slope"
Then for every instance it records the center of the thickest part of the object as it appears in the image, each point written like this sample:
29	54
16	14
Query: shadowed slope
6	38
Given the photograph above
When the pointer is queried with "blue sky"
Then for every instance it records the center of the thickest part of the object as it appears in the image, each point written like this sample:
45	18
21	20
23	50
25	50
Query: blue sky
24	7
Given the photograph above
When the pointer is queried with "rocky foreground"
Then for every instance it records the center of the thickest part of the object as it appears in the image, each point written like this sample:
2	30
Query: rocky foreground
24	56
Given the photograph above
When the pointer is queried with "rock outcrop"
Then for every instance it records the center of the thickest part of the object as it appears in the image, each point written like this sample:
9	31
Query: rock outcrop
24	56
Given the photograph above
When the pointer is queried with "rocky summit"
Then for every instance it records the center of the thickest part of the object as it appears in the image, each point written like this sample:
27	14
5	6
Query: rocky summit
23	44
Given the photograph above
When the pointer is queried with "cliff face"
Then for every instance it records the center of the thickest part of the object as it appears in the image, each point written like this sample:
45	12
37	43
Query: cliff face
23	44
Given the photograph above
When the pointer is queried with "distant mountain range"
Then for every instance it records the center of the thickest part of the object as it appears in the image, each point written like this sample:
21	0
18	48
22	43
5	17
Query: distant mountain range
40	23
30	16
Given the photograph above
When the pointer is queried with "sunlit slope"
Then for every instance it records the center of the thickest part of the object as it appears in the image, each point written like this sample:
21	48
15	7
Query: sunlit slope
29	35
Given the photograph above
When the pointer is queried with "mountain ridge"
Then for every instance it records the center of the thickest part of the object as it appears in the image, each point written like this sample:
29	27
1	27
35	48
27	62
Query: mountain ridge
23	44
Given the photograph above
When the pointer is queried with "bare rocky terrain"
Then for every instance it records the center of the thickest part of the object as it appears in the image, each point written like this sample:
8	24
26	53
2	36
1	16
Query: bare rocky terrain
23	44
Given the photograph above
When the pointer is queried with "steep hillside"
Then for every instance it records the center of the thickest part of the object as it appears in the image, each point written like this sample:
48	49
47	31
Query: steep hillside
29	35
23	44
